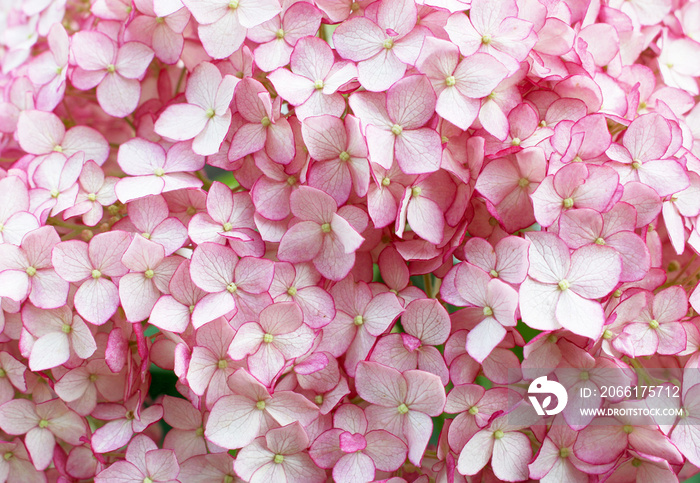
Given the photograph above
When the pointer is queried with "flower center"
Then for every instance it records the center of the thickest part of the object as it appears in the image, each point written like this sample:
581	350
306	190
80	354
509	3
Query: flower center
473	410
231	287
210	113
326	228
292	291
43	423
319	399
93	377
402	409
66	329
265	121
654	324
599	241
450	81
222	364
486	39
344	156
279	34
267	338
628	428
199	432
498	434
564	452
146	235
147	480
493	273
31	271
191	307
515	142
233	4
388	43
54	193
564	285
159	172
318	85
96	274
523	182
260	405
358	320
396	129
488	311
416	191
149	274
129	415
636	462
636	164
584	375
8	456
2	373
568	203
111	68
607	334
92	197
386	181
279	459
227	226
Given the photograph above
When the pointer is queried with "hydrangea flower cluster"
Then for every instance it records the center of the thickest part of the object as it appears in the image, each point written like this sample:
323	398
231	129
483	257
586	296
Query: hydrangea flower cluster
425	205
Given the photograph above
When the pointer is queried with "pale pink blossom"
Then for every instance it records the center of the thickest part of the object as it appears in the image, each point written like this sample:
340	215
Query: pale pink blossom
322	235
206	117
315	78
144	462
359	319
15	219
352	451
279	456
162	32
123	420
231	283
149	217
27	271
279	35
426	324
223	24
270	344
115	70
341	155
262	125
393	125
41	132
562	288
59	336
236	420
149	274
229	218
42	423
153	172
401	404
96	191
94	265
382	47
459	85
299	283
